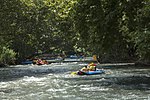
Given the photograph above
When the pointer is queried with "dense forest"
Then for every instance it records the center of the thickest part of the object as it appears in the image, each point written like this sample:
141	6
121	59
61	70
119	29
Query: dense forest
115	30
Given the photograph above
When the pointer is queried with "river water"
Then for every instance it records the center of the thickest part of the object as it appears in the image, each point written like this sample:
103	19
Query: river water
54	82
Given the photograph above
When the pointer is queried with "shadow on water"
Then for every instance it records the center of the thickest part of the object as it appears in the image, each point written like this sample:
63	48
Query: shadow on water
127	83
13	73
123	67
134	82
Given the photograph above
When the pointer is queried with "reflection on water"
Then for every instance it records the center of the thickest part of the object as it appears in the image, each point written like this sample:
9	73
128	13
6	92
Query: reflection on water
54	82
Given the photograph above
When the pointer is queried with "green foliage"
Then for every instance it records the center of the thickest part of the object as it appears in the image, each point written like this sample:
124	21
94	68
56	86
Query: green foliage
98	23
143	45
6	55
141	33
103	27
103	24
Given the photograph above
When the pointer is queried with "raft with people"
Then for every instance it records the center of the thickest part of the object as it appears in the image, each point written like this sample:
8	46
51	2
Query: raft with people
90	69
99	71
40	62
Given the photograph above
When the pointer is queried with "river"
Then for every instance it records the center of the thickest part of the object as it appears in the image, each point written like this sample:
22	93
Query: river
54	82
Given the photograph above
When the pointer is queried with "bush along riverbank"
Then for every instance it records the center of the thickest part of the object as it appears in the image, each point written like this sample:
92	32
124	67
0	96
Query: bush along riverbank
7	56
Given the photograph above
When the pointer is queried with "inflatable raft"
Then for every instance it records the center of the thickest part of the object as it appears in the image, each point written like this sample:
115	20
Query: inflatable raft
100	71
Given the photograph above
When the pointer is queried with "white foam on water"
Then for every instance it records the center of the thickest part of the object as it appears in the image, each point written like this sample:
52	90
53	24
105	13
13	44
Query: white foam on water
88	88
32	78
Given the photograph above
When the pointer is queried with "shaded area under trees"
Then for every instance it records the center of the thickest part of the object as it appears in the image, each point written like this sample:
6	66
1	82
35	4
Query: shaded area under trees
116	31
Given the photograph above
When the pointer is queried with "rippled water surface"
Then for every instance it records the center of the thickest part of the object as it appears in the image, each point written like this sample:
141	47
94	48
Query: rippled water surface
54	82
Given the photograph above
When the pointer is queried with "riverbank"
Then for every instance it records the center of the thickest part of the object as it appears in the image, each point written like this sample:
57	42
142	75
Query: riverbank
117	64
135	64
3	65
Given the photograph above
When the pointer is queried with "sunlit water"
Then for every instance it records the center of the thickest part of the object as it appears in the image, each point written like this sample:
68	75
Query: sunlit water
54	82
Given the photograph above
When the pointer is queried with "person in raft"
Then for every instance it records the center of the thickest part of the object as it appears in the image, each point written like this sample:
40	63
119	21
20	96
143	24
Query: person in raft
84	69
89	67
39	62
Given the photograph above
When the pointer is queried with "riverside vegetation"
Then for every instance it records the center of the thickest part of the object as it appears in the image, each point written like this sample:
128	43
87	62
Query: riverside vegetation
114	30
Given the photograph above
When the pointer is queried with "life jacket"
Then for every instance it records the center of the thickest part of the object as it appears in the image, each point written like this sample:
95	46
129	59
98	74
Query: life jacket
92	68
92	64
